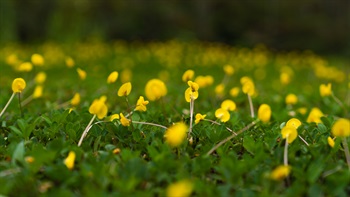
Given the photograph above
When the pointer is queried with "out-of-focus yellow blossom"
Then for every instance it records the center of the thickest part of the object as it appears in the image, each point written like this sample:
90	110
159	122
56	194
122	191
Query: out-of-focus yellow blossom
289	132
326	90
125	89
188	75
229	105
293	122
98	108
229	70
25	67
204	81
280	172
331	142
199	117
191	91
69	161
38	91
141	104
18	85
112	77
285	78
40	78
125	122
248	86
341	128
70	62
29	159
75	100
222	114
37	59
114	117
219	90
116	151
155	89
180	189
125	75
315	115
264	113
302	110
234	91
291	99
81	73
12	59
176	134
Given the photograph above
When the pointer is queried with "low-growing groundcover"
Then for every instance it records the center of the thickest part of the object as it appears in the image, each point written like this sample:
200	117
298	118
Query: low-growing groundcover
172	119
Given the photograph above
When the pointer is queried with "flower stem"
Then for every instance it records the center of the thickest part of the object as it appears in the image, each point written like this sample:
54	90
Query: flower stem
285	158
214	122
339	103
191	117
346	150
302	139
230	137
27	100
7	104
86	130
19	103
149	123
251	106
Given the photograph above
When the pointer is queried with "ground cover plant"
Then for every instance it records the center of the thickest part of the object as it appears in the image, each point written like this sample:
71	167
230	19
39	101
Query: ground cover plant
172	119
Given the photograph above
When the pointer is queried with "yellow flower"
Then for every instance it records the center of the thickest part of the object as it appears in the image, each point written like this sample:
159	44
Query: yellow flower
229	70
29	159
112	77
188	75
330	142
234	91
18	85
25	67
155	89
264	113
290	133
314	115
81	73
229	105
40	78
293	122
114	117
116	151
204	81
219	90
38	91
341	128
141	104
125	122
199	117
291	99
69	62
12	59
179	189
125	89
176	134
326	90
285	78
280	172
248	86
69	161
37	59
222	114
75	100
98	108
302	110
191	91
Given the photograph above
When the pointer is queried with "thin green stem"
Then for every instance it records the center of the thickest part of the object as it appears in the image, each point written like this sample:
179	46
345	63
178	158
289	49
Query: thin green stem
27	100
339	103
251	106
86	130
346	150
285	158
7	104
149	123
230	137
214	122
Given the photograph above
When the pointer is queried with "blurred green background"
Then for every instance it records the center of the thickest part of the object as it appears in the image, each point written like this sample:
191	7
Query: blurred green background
319	25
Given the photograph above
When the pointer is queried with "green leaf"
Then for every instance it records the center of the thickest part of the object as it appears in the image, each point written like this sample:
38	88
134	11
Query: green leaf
16	130
249	144
18	154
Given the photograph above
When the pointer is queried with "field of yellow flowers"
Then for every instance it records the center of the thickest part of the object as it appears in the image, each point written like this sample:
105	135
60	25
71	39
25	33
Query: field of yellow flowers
172	119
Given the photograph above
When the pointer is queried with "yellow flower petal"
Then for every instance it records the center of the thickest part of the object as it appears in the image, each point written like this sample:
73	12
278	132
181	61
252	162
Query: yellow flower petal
40	78
75	100
37	60
125	89
291	99
155	89
326	90
280	172
315	115
81	73
290	133
294	123
222	114
199	117
124	121
18	85
38	91
141	104
229	70
69	161
228	105
330	142
180	189
176	134
188	75
112	77
264	113
98	108
341	128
